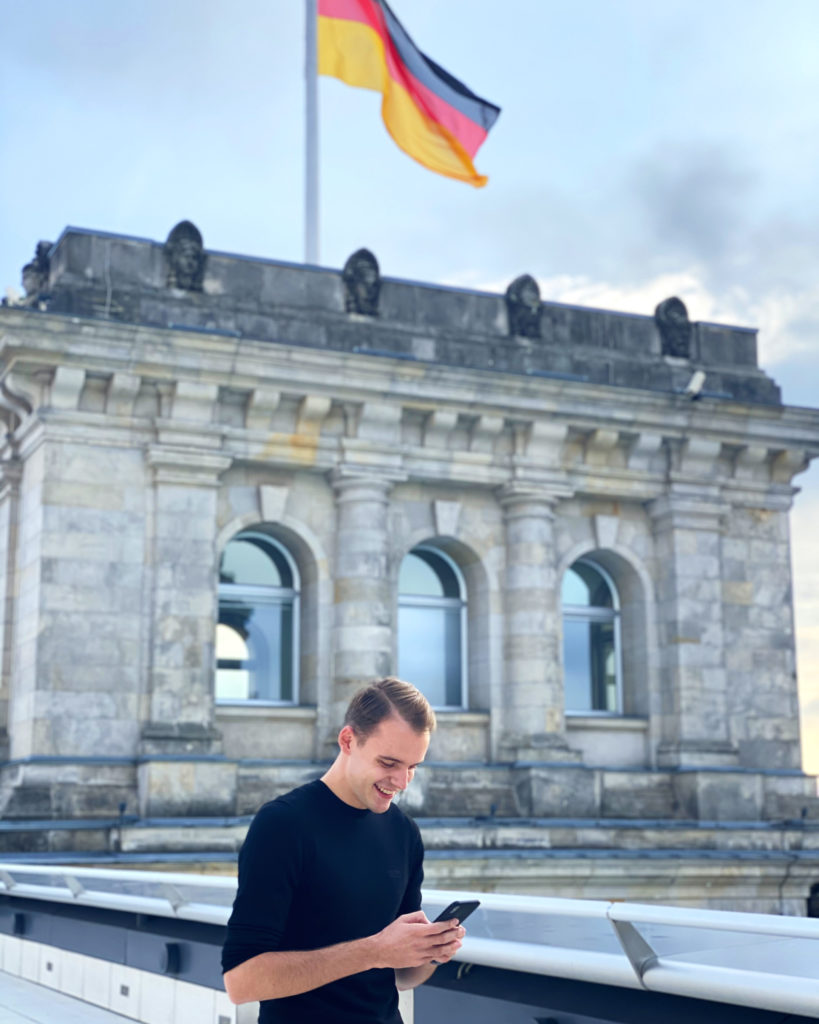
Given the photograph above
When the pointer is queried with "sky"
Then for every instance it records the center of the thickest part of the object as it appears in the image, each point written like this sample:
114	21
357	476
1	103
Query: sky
643	150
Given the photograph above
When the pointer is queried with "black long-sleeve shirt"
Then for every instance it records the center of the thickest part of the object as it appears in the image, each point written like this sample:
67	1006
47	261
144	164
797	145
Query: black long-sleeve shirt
313	872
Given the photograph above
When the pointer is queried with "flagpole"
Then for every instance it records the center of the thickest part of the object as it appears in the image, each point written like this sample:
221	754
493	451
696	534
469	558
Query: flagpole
311	171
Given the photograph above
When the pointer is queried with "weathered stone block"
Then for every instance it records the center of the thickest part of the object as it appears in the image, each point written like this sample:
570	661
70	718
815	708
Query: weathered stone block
182	787
719	795
557	791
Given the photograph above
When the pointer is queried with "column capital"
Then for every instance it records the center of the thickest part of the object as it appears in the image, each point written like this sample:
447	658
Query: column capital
192	467
345	479
519	498
689	510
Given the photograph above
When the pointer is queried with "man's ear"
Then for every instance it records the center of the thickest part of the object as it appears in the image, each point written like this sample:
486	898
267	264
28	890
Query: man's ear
345	739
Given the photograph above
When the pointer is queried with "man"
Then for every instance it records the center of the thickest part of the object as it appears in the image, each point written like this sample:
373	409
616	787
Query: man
327	918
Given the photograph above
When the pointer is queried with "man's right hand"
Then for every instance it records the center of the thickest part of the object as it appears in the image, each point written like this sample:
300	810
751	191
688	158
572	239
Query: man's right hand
412	940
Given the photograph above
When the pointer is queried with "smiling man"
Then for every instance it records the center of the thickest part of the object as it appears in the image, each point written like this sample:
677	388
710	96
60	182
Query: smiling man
327	921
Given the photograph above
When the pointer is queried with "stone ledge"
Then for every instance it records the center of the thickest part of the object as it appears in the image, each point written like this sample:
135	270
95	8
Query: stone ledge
283	711
620	723
446	718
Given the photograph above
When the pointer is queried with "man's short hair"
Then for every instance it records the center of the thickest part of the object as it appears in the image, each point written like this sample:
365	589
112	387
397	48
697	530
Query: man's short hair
384	698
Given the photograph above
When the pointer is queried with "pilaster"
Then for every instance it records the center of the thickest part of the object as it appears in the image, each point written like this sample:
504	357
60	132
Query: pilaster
11	473
687	525
179	741
363	608
534	727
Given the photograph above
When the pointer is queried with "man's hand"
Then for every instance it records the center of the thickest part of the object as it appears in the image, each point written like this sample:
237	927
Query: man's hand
413	941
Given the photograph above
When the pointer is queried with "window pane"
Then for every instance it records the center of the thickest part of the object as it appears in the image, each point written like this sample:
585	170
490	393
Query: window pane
429	652
576	662
589	666
603	675
417	577
230	645
254	560
584	585
425	574
452	648
264	670
575	590
232	681
232	684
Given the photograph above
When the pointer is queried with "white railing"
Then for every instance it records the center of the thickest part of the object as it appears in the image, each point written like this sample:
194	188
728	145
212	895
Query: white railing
756	960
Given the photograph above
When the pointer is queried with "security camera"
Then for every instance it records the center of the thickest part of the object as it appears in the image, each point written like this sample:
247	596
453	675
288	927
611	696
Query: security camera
693	389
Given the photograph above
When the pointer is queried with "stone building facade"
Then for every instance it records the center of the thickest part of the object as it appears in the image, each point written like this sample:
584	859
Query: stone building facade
235	490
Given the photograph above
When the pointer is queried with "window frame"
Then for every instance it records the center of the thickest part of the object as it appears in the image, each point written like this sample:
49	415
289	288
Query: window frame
255	593
425	601
591	614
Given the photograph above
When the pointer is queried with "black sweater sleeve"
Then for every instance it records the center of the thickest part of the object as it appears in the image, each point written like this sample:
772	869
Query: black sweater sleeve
412	897
270	864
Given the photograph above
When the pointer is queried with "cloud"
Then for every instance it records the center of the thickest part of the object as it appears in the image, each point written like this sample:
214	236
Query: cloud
693	200
101	59
694	219
705	207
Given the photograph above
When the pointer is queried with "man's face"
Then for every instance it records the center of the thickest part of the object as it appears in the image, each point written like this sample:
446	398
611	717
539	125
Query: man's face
382	765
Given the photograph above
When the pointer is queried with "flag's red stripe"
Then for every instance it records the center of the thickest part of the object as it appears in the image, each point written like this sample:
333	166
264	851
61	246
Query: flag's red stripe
368	12
347	10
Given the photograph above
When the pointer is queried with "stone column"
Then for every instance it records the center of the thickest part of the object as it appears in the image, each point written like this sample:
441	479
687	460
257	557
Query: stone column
363	604
694	708
533	711
177	772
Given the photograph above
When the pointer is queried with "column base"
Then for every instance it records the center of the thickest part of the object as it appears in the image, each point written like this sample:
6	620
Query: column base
538	747
189	738
67	787
181	772
698	754
183	786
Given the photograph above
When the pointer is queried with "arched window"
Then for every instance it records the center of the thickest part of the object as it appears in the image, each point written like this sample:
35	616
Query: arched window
256	636
432	626
591	639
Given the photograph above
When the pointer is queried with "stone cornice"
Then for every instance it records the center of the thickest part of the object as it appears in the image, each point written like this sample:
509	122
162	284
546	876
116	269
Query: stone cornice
103	345
619	431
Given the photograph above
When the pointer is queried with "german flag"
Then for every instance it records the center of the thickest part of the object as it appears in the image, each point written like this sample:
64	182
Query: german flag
432	116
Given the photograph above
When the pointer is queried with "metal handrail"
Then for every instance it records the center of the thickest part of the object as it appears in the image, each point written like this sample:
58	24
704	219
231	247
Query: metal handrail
633	964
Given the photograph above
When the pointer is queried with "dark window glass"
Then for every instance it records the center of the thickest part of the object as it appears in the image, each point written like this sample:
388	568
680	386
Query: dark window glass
424	573
590	631
253	560
430	654
585	585
255	635
430	627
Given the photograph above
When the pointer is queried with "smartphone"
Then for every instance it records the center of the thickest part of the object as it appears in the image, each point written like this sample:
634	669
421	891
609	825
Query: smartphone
460	909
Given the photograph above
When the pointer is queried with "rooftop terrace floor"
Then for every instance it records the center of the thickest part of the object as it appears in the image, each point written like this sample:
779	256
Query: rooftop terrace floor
24	1002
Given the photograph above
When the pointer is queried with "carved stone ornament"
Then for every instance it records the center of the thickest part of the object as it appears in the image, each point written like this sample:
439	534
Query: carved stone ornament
35	274
362	283
185	256
523	307
672	321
